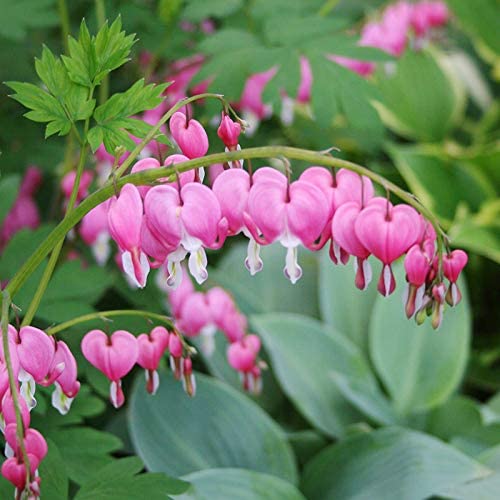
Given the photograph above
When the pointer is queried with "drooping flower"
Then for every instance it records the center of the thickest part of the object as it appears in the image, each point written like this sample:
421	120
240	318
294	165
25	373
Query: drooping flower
453	264
125	220
189	221
94	231
387	232
114	356
152	347
189	135
292	214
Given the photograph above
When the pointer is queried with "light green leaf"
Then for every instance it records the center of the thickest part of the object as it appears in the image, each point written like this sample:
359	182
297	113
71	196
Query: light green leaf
303	353
442	185
114	124
237	484
219	427
421	99
93	57
420	367
480	19
391	463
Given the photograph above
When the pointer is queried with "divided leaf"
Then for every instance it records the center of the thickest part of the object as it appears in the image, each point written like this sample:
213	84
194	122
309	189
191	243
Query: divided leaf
93	57
114	122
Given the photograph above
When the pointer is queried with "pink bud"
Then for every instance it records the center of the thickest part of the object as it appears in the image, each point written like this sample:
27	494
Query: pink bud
114	356
31	181
306	80
141	165
68	182
229	132
9	413
188	381
242	355
189	135
195	315
453	263
14	470
125	220
175	346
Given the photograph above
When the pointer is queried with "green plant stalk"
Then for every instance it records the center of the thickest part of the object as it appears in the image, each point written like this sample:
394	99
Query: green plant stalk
12	381
109	314
100	10
149	176
64	16
49	270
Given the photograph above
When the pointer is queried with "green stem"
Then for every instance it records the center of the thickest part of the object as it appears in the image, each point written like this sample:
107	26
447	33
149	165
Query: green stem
149	176
327	7
100	10
64	16
49	270
109	314
12	381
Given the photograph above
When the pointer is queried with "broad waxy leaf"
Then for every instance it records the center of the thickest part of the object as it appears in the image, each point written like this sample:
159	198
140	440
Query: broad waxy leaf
420	367
219	427
390	463
93	57
303	354
114	122
237	484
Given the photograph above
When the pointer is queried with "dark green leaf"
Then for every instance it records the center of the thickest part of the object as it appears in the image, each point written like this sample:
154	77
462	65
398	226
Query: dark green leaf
21	15
120	480
84	450
55	481
9	189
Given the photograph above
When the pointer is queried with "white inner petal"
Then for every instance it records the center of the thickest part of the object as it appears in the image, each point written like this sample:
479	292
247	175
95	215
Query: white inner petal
60	401
101	248
292	269
198	265
253	262
387	279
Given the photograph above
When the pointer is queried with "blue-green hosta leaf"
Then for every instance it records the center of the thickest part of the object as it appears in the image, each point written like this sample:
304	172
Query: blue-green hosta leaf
303	354
237	484
391	463
219	427
420	367
91	58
